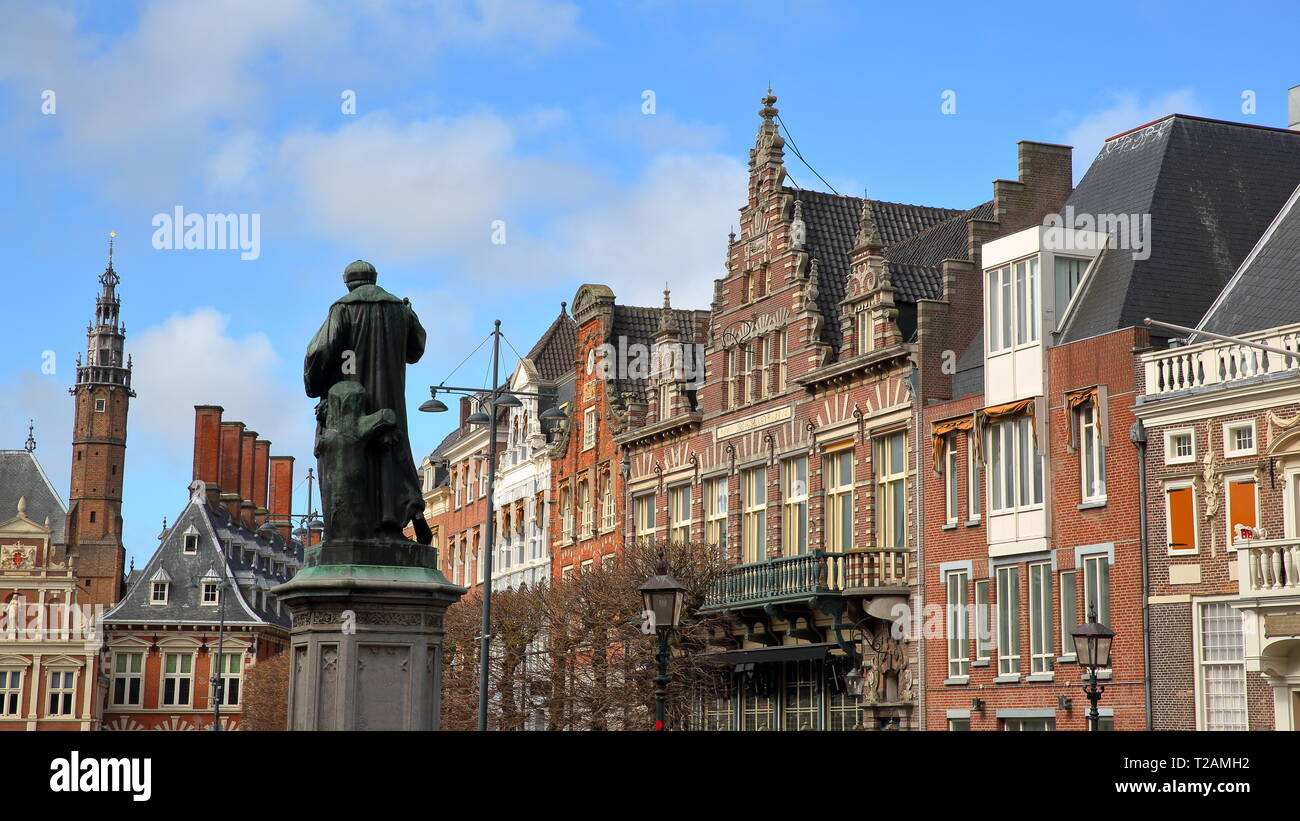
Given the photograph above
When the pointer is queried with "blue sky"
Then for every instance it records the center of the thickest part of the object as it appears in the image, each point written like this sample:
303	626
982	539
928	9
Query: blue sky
473	111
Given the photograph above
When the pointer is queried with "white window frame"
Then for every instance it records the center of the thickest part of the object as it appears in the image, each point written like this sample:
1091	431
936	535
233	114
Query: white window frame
1236	667
1041	653
779	360
65	691
679	513
589	428
794	506
154	586
951	480
566	514
12	692
1012	296
839	533
210	594
958	623
182	677
227	677
1092	454
1009	641
1228	480
983	622
1187	484
191	543
607	502
753	518
888	479
1006	440
643	518
1069	611
1062	306
866	336
717	496
1171	458
586	509
1230	449
1094	564
974	481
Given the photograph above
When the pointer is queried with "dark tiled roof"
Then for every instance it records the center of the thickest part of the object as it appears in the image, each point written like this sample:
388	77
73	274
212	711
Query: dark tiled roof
211	560
915	263
553	353
831	229
21	475
638	326
1263	292
1211	188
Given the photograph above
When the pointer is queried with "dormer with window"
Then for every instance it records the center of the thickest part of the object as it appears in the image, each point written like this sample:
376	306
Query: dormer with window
191	541
160	586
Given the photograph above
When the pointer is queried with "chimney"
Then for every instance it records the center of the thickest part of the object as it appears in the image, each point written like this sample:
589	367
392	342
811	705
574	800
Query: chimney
1293	108
261	455
207	449
281	494
232	434
246	447
464	410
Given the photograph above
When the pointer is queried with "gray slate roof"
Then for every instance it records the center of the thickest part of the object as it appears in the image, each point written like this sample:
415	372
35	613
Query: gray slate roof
1265	291
21	475
171	561
638	325
1211	189
831	229
553	353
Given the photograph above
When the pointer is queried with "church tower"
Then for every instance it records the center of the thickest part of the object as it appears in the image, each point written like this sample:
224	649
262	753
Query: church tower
103	395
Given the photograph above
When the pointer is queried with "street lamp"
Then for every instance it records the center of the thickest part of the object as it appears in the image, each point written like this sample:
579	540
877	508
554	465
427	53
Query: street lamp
489	401
663	597
1092	643
217	686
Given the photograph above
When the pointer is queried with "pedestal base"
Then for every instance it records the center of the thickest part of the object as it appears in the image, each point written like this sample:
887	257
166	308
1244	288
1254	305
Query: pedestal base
366	646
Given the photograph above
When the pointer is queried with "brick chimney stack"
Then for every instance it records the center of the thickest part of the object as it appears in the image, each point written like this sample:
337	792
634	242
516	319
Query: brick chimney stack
281	494
261	457
247	443
207	449
464	410
232	434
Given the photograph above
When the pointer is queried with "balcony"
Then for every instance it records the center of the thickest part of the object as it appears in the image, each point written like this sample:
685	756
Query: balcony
856	572
1218	362
1268	567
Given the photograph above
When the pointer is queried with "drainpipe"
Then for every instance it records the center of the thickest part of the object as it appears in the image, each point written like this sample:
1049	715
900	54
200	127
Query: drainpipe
1138	436
914	379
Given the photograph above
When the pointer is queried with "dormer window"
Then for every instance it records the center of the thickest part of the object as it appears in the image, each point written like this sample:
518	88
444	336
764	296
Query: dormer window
865	340
191	541
665	400
158	594
209	592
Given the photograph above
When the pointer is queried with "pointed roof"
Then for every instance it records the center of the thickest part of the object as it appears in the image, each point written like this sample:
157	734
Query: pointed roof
22	476
553	353
1211	188
211	560
1262	293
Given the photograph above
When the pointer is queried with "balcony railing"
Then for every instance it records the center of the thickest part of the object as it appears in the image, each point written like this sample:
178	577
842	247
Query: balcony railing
1269	567
1218	362
811	574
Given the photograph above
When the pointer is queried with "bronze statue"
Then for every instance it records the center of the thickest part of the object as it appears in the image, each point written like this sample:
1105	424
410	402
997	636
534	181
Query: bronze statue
370	489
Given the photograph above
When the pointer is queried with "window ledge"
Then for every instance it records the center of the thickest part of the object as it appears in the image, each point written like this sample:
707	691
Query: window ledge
1010	678
973	523
949	526
1096	503
980	663
1042	677
957	680
1070	659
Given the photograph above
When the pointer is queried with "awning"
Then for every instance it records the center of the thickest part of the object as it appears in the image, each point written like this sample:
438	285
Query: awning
1074	399
766	655
942	429
995	413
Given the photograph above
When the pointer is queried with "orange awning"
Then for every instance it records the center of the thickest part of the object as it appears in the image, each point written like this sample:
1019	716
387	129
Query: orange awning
942	429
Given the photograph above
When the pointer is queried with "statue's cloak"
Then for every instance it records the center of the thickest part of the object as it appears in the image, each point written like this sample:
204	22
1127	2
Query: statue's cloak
369	337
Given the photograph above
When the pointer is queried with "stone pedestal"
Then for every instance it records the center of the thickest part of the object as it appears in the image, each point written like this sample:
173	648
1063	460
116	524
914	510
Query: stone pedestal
366	641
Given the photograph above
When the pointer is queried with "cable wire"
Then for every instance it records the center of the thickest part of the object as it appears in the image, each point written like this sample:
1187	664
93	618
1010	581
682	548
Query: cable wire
790	139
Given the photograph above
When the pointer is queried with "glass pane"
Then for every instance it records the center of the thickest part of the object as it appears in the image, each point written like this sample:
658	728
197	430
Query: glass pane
1022	318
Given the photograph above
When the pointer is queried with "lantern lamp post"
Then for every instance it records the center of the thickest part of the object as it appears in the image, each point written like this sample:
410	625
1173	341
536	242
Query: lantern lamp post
663	597
1092	642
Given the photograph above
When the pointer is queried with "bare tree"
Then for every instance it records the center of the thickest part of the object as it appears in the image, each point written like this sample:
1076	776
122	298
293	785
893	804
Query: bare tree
266	694
571	655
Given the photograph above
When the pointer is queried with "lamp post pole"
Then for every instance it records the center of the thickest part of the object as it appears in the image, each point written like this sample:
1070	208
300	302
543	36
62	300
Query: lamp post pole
1093	691
661	682
489	541
217	688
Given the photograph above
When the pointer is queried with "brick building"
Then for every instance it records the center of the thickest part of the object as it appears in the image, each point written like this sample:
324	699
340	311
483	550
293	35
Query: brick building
228	547
1039	523
1223	497
48	647
615	353
798	455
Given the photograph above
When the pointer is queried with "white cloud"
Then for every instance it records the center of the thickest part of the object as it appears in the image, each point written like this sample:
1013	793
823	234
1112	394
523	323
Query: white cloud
43	399
192	359
1127	110
670	226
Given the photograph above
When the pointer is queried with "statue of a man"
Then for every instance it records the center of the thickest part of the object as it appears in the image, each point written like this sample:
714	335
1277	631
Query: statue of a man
369	337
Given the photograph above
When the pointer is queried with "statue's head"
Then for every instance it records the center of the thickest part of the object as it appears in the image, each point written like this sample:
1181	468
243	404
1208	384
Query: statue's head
359	273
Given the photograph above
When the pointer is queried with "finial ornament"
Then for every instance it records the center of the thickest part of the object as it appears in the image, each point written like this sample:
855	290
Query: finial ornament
30	446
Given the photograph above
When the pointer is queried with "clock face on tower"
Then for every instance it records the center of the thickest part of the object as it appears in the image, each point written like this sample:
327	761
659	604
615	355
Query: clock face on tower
591	361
